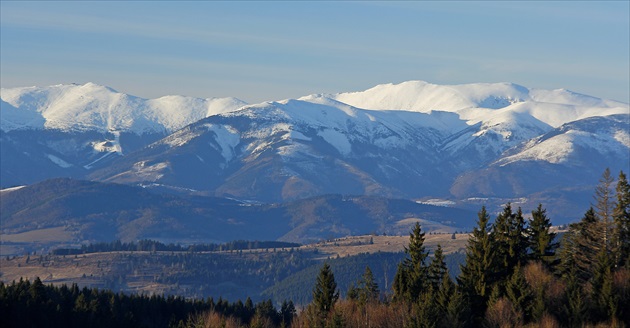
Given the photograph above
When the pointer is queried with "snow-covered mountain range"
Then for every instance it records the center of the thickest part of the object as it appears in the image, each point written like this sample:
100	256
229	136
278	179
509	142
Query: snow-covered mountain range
409	140
92	107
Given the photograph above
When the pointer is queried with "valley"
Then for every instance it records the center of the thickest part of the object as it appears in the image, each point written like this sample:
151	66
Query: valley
233	275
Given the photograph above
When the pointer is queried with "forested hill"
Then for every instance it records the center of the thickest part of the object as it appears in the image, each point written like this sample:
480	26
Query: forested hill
74	212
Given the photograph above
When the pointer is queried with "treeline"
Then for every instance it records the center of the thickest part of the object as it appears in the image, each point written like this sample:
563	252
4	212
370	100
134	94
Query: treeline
515	275
147	245
26	304
298	286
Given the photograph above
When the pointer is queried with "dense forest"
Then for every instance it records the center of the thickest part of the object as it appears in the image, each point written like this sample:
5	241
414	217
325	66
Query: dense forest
514	274
147	245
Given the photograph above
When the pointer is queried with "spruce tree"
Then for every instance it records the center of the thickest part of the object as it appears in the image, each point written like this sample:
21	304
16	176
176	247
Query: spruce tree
566	256
581	246
325	293
444	293
621	218
519	242
518	292
457	313
575	310
510	241
426	310
602	297
604	205
287	312
538	306
400	283
501	232
366	290
437	268
412	275
540	238
477	273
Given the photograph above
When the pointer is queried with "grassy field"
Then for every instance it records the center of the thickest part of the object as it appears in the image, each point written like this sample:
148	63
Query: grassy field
57	234
371	244
93	269
40	240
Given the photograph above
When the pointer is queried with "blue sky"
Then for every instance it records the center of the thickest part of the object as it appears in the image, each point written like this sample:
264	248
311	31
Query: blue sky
260	50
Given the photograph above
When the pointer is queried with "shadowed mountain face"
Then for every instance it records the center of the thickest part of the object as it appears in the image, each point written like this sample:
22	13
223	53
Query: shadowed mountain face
469	144
93	211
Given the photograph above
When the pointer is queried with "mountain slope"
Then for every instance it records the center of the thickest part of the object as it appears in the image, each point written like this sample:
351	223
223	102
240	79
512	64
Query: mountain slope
91	211
574	154
499	115
295	149
94	107
66	130
477	101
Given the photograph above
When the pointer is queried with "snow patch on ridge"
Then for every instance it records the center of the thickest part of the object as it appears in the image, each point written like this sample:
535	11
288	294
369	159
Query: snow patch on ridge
623	137
60	162
437	202
227	138
337	140
149	172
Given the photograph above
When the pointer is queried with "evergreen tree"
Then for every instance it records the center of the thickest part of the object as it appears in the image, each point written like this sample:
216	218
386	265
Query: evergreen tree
602	298
621	218
580	247
457	313
325	293
566	256
518	293
575	311
399	285
444	293
519	241
510	241
541	239
412	275
451	307
538	306
604	204
437	268
287	312
368	287
366	290
427	313
477	273
501	231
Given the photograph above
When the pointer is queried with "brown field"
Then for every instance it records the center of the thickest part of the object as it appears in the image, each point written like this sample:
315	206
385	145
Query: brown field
361	244
89	269
57	234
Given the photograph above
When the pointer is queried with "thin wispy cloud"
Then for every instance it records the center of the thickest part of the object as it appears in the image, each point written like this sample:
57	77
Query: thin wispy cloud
322	45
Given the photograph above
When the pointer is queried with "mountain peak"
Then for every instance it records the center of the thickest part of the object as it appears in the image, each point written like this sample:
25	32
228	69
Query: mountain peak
91	106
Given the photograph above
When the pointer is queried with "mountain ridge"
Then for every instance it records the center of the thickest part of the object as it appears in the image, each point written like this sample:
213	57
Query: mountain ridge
90	106
409	140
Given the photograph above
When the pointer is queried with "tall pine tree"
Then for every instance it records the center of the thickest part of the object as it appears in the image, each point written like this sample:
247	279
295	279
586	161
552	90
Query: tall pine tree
325	293
412	276
604	205
366	289
477	273
621	218
518	292
510	243
580	246
540	238
437	268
